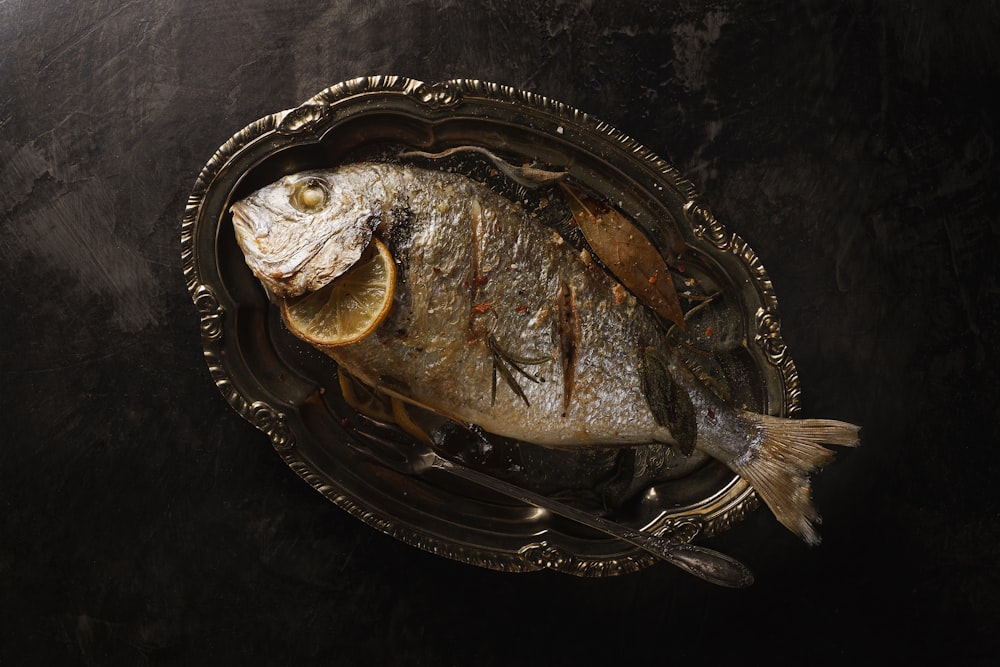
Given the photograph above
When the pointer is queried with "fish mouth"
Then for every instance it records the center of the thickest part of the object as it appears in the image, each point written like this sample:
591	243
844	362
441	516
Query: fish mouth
271	273
243	225
306	269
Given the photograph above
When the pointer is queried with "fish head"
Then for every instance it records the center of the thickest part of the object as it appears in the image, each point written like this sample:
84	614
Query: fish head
302	231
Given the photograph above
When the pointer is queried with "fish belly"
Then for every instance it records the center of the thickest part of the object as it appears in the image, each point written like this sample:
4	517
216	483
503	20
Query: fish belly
497	321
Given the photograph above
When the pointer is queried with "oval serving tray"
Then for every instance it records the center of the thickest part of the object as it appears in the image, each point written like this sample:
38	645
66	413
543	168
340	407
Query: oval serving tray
291	393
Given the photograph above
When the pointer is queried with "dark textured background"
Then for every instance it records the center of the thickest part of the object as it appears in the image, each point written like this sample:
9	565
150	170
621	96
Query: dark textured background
143	522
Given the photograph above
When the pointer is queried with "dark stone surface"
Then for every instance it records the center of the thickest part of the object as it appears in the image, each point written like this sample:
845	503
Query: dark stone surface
143	522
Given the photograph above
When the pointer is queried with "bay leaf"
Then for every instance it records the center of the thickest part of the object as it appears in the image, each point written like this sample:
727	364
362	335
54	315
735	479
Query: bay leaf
627	252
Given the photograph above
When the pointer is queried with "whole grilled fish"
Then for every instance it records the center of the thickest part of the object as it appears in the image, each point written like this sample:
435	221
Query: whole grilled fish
486	291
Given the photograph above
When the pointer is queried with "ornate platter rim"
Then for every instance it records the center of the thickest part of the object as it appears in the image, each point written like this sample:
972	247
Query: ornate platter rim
353	99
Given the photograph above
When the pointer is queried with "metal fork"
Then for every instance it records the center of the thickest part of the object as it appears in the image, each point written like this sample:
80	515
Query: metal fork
415	458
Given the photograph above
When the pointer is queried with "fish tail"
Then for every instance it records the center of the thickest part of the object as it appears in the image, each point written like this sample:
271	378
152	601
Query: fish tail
779	468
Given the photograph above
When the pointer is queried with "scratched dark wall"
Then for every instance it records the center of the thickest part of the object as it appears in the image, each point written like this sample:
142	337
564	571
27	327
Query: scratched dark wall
143	522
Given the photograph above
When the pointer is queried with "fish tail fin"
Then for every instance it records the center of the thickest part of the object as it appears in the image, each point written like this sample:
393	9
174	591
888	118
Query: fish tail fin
779	469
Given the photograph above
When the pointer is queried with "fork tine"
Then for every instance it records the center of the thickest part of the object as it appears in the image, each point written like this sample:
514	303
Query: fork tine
384	451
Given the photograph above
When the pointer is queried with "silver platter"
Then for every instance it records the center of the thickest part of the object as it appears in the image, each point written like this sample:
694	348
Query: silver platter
291	393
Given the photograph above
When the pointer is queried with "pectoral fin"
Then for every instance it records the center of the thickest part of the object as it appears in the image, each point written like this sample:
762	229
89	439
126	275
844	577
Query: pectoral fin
668	402
405	422
386	404
365	400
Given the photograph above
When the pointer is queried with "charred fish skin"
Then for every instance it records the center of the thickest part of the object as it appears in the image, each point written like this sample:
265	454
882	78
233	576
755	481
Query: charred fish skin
498	322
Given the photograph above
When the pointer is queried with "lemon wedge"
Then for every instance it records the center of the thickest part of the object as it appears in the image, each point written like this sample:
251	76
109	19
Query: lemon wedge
349	308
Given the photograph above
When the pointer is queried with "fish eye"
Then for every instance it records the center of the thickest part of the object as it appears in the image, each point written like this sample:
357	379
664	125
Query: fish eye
310	195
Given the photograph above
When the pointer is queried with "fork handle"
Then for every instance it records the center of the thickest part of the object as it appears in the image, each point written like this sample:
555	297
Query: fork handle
708	564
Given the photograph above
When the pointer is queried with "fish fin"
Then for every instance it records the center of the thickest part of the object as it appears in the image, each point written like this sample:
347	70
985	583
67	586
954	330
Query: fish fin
405	422
394	411
364	399
778	470
396	394
379	406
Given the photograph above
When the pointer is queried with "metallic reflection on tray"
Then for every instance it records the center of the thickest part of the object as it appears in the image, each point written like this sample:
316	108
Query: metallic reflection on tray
501	138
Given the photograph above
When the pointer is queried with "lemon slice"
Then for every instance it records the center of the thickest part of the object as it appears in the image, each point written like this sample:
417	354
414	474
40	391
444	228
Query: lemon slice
349	308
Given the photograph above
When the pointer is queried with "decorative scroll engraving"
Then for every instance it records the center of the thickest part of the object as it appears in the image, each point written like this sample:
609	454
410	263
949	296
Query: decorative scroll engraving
705	226
769	339
545	555
302	119
438	95
736	513
211	312
260	414
769	336
682	529
271	422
